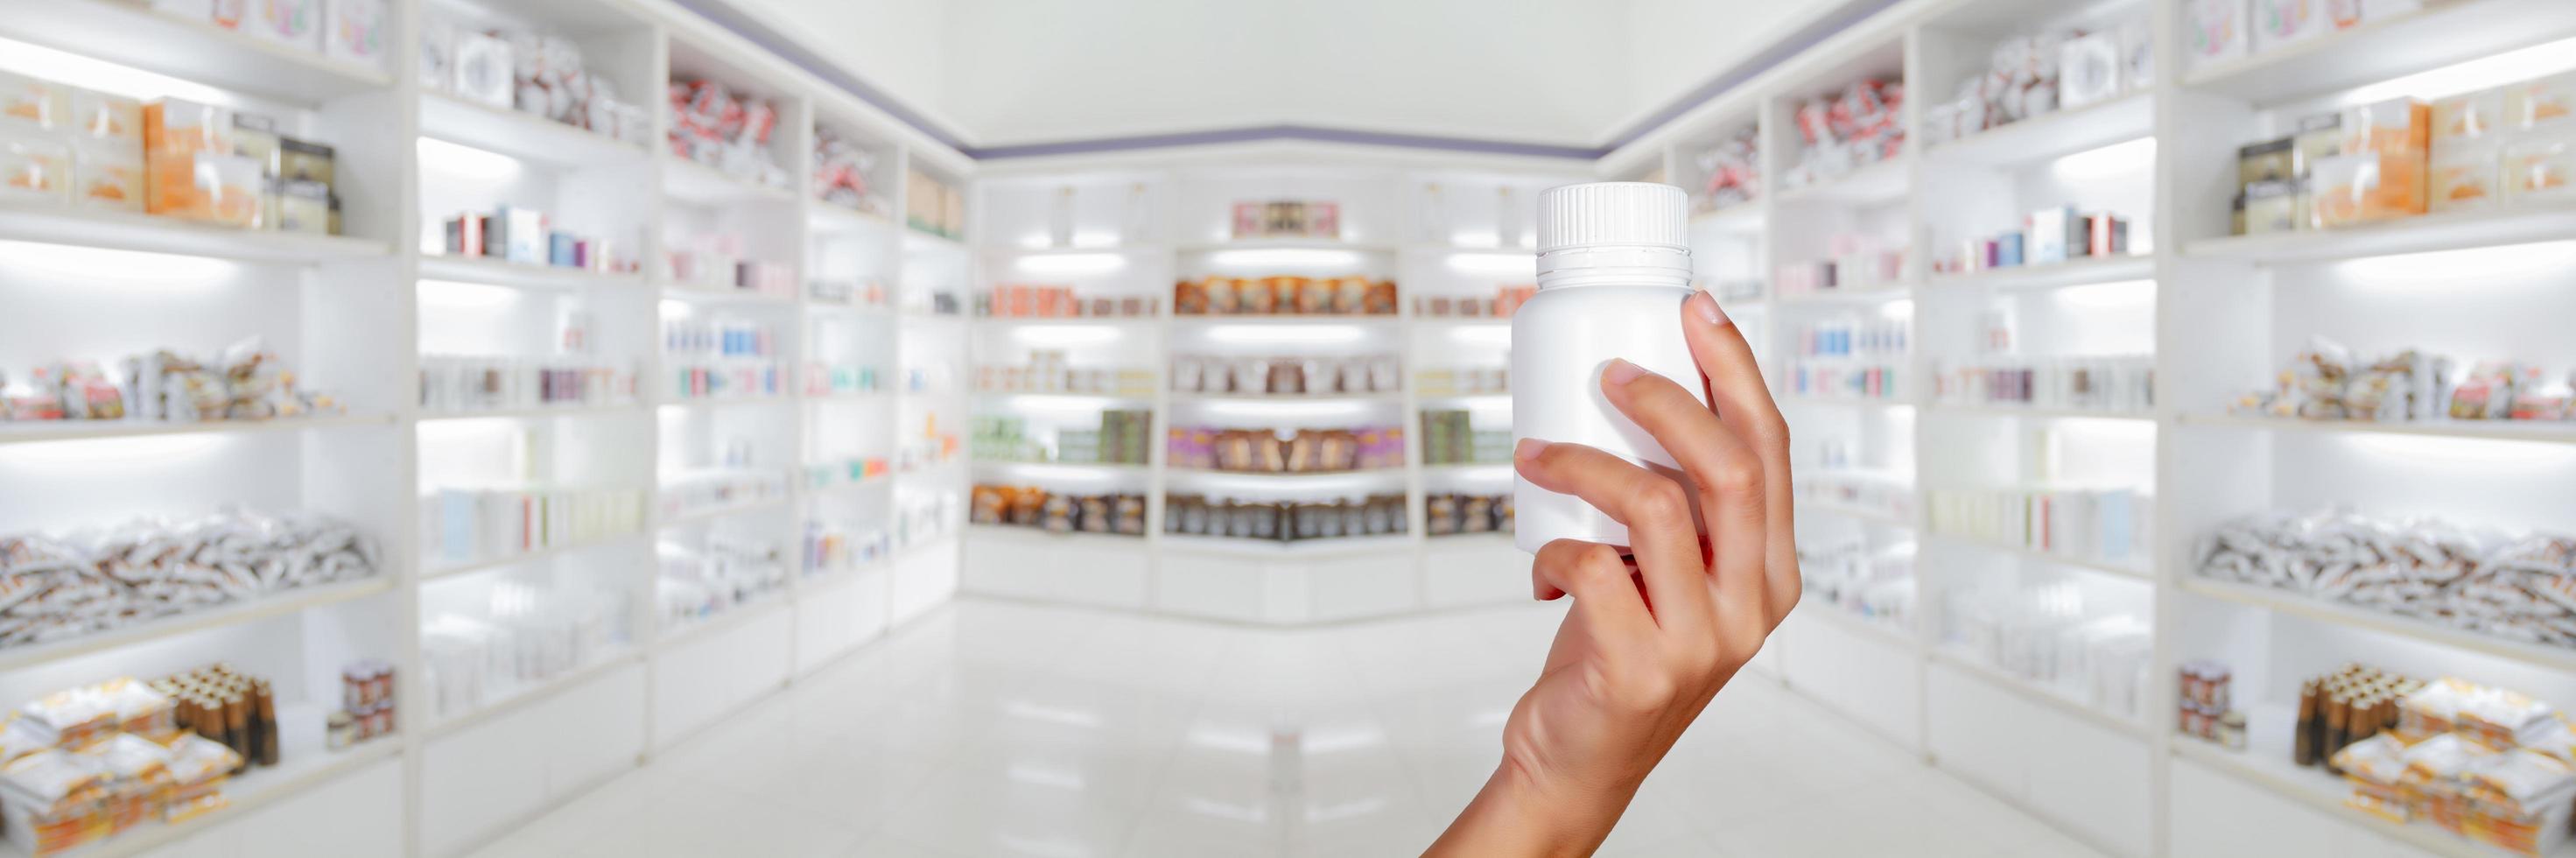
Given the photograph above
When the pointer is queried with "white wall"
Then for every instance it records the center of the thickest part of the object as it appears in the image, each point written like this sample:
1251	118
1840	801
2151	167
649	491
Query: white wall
894	45
1676	45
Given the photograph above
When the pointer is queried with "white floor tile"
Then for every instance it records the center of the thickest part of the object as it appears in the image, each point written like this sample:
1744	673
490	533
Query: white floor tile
1004	729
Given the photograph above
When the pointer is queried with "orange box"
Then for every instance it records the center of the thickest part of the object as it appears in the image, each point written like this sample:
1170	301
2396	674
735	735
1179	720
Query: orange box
190	168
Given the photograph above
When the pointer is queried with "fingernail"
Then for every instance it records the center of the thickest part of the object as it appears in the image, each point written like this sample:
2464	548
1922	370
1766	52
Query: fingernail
1704	305
1527	448
1621	372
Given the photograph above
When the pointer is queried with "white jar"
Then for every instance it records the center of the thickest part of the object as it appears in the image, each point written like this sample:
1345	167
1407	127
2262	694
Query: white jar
1613	270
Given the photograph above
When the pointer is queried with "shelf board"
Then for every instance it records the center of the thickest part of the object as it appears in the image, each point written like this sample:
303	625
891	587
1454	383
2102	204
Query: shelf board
915	239
274	604
1883	632
130	33
699	184
1205	320
2315	788
40	431
2437	35
1041	536
495	272
521	135
1861	295
2503	223
1975	410
1482	540
712	294
528	694
1064	468
1860	513
2284	601
840	485
1245	547
1844	401
709	402
2054	135
1453	398
614	409
432	573
1062	398
1182	396
739	615
1952	655
1285	244
119	230
859	396
1740	218
2107	568
243	794
2535	431
836	218
1076	321
1286	478
1877	184
1470	469
1015	252
2074	272
702	516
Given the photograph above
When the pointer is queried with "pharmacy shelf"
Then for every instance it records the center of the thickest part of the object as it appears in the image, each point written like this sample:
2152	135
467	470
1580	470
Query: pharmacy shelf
2489	226
1957	656
272	604
2272	769
432	573
1877	184
1885	632
673	635
2297	604
1179	397
116	230
1010	398
2053	135
1203	248
1970	410
520	275
2535	431
838	486
541	412
2075	272
1468	469
1856	513
1428	400
698	184
917	241
523	135
1021	252
243	794
805	583
1794	399
706	403
1387	320
849	396
132	34
2036	555
1286	480
1247	547
1042	537
531	693
2437	35
41	431
702	516
1848	297
1042	470
697	293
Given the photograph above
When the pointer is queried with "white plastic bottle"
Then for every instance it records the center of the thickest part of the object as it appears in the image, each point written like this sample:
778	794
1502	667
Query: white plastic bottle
1613	270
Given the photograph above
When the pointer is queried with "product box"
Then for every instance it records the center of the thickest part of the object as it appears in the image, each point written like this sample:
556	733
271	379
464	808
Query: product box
34	169
2271	207
2105	235
563	249
465	235
2088	70
2055	234
255	137
2463	177
296	23
2536	167
2214	31
304	207
33	104
482	70
516	234
2540	102
437	55
2398	126
357	31
2281	23
107	176
306	161
190	167
2268	161
2474	116
2355	189
105	119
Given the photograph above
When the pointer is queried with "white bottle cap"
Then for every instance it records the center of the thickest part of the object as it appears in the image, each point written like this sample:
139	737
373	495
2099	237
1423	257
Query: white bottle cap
1639	228
1601	213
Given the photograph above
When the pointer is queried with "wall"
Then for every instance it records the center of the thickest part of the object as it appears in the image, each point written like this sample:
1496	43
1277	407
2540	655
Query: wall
1676	45
892	44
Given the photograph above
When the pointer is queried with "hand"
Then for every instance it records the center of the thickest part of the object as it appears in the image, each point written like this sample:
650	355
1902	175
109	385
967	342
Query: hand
1638	658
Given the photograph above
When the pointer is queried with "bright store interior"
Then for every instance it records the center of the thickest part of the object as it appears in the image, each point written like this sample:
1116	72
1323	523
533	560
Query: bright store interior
973	427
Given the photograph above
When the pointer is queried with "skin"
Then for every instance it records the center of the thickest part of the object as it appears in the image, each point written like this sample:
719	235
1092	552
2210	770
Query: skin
1643	649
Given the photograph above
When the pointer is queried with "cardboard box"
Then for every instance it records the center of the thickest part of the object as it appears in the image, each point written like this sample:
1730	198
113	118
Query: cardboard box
358	31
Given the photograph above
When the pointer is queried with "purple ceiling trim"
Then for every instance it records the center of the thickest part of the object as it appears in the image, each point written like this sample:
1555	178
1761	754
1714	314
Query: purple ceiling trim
1285	132
723	14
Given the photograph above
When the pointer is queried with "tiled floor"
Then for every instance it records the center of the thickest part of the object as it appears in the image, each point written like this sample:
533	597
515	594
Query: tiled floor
1005	729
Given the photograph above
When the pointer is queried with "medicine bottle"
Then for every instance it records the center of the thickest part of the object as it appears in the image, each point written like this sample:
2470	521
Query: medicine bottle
1613	270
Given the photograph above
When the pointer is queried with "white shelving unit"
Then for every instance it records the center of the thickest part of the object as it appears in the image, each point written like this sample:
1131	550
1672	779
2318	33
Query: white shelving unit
355	312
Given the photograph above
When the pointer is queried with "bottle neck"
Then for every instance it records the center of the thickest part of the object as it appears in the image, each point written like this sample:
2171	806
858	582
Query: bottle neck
1614	265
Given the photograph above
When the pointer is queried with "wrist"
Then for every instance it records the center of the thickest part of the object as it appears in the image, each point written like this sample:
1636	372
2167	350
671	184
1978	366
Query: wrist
1523	812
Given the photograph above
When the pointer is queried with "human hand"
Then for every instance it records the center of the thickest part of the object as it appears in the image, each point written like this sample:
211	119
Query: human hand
1637	658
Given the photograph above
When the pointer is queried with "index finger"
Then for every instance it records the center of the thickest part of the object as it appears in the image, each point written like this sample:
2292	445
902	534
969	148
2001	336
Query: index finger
1743	403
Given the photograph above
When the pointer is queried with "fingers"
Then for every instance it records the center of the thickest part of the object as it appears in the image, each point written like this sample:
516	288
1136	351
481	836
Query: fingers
1657	512
1729	478
1598	580
1736	392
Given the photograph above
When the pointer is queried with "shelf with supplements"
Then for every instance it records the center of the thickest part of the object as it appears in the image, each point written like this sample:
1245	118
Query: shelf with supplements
42	431
2496	225
2085	271
496	272
431	571
118	230
2269	768
243	795
2035	691
524	135
2532	431
2297	604
1854	296
202	51
2052	135
1319	547
2412	40
275	603
2036	413
523	695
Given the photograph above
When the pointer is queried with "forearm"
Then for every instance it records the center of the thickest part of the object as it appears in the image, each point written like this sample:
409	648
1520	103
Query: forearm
1514	816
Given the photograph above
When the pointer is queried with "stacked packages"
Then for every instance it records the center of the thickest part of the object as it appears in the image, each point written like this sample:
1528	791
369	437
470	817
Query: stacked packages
244	382
2521	589
1863	125
53	588
460	526
2326	382
2484	763
85	764
729	131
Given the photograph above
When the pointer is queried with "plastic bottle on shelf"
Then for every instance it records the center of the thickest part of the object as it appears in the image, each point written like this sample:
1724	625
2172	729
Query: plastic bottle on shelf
1613	270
